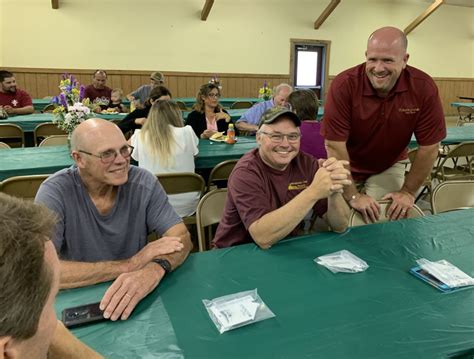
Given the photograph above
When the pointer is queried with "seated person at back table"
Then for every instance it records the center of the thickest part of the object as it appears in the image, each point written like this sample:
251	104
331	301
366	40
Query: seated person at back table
251	118
141	94
115	104
286	186
305	104
13	100
137	117
97	92
106	209
165	145
208	116
29	276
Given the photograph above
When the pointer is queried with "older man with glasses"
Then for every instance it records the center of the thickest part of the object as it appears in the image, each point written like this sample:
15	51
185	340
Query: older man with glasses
275	188
106	208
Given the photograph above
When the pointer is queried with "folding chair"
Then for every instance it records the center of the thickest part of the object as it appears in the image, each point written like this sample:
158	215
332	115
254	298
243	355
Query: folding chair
461	152
220	174
427	184
175	183
241	105
452	195
182	105
3	145
23	186
12	135
46	129
209	212
466	115
54	140
356	218
48	108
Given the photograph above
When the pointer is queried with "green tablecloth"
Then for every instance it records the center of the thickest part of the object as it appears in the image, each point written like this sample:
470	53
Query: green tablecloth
454	135
40	103
458	104
224	101
29	122
383	312
46	160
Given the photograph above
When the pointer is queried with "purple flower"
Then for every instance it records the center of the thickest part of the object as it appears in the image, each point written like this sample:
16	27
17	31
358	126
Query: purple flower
81	92
62	99
55	100
64	76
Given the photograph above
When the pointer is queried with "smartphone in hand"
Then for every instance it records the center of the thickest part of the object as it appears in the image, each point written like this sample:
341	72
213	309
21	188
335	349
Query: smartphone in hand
84	314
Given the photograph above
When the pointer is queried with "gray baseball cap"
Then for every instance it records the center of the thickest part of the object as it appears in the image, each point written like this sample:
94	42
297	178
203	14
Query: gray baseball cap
274	113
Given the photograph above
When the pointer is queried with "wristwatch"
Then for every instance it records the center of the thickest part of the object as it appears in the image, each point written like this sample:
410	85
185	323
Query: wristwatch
165	264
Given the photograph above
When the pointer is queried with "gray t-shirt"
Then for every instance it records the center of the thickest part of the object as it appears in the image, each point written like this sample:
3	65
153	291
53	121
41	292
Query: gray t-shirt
83	234
142	93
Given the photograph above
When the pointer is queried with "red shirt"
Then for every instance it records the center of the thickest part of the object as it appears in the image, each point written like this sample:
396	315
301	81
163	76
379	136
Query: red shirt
255	189
98	95
17	99
377	130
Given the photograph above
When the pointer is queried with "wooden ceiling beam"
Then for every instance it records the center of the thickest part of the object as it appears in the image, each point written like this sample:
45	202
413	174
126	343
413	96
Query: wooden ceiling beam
206	9
55	4
324	15
435	5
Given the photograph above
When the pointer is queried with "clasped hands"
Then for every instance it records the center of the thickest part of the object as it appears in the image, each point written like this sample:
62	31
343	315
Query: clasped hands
142	277
402	202
331	177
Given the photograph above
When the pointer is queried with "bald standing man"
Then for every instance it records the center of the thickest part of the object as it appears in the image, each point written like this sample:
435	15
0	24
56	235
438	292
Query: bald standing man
106	208
370	114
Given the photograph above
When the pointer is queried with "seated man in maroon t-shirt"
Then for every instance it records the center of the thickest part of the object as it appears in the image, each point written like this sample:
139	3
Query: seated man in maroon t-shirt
98	92
13	100
370	114
273	188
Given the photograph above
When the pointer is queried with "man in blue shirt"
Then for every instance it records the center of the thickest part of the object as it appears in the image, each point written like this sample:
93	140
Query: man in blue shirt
251	118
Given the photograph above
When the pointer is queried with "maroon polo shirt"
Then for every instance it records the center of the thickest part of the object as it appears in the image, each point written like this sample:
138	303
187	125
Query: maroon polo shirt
377	130
255	189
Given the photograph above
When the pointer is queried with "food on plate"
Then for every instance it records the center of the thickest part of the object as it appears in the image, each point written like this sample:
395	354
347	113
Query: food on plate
218	136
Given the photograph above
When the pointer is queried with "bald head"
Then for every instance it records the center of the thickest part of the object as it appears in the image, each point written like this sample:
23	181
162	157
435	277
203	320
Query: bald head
389	37
92	132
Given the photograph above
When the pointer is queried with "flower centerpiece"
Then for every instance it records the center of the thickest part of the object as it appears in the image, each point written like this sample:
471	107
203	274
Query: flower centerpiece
265	92
215	80
71	107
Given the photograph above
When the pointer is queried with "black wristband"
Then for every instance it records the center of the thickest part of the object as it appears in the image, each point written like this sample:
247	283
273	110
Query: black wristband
165	264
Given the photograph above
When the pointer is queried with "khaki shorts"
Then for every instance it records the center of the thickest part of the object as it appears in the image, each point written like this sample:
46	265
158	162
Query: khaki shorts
390	180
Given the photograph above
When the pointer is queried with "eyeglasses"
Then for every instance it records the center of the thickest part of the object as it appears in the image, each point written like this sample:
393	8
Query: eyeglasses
110	155
214	95
278	137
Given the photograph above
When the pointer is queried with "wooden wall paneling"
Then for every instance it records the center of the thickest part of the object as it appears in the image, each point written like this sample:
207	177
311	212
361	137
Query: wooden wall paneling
42	85
181	88
28	83
126	84
44	82
230	88
172	85
136	82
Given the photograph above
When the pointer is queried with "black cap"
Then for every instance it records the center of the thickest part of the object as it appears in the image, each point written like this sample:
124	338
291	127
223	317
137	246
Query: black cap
274	113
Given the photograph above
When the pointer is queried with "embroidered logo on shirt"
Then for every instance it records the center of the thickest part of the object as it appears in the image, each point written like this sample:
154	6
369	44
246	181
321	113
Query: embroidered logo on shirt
297	185
14	102
409	111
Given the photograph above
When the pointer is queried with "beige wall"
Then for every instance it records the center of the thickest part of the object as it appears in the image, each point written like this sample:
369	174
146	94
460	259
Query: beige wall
245	36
